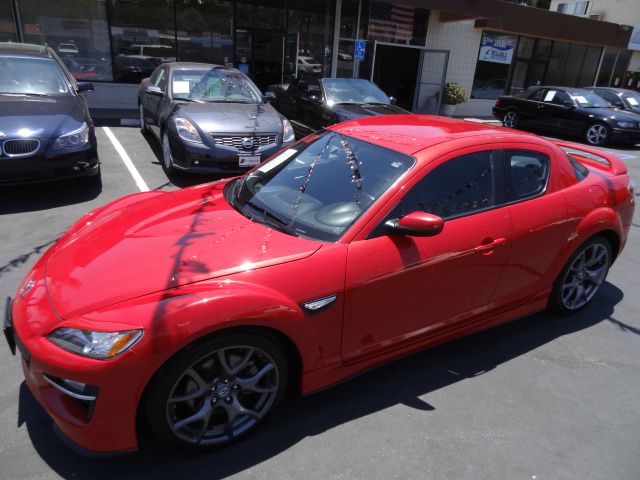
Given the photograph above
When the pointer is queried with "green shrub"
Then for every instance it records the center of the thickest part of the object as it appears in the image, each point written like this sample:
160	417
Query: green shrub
454	94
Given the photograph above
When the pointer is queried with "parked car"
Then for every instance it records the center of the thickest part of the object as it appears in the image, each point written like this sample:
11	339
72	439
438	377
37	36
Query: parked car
619	97
490	90
312	104
46	132
569	110
210	119
371	240
309	65
156	54
130	69
67	49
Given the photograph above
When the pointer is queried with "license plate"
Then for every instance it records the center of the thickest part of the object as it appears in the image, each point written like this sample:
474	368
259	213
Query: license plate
248	160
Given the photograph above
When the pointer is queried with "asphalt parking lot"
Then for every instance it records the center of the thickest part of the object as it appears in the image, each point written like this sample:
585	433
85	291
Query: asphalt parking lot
543	397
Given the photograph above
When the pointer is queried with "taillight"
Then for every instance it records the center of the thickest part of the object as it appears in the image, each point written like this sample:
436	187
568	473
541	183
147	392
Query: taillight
498	102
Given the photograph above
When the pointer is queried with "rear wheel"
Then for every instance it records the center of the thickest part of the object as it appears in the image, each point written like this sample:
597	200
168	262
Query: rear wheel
218	391
143	123
511	119
597	134
582	276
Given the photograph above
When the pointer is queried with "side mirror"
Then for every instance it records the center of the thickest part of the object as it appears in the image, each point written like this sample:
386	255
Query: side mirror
84	87
568	103
416	224
619	105
315	99
269	96
393	100
154	90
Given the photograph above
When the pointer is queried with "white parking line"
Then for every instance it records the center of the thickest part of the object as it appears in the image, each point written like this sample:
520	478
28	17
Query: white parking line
142	186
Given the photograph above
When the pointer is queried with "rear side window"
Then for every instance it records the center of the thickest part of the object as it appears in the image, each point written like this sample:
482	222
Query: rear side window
458	187
580	170
527	173
537	95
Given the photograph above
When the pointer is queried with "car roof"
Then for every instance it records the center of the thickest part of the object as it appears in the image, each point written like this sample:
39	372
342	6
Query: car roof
192	65
30	49
610	89
409	133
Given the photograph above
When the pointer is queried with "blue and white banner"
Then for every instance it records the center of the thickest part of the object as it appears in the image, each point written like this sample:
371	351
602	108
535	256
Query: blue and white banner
634	41
497	48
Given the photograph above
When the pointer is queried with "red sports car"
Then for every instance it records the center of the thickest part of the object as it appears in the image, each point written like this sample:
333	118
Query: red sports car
196	309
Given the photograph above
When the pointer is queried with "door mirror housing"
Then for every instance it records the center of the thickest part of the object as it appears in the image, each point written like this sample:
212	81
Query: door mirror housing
315	99
415	224
269	96
393	100
568	103
154	90
85	87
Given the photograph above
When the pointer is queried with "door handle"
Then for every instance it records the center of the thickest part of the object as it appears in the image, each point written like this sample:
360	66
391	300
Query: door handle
489	247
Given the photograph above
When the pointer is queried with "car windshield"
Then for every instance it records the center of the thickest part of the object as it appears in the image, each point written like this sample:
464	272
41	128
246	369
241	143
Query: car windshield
353	90
31	76
586	99
632	99
214	85
319	189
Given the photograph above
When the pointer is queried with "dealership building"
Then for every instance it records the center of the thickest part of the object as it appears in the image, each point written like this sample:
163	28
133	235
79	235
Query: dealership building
410	48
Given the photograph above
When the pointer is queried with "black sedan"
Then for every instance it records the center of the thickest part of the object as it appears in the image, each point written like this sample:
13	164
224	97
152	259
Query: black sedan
210	119
312	104
569	110
46	132
619	97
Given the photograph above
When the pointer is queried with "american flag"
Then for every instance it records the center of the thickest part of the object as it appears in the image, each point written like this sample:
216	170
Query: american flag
390	23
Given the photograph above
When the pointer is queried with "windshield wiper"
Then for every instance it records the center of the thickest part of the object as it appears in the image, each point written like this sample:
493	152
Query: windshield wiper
24	94
188	99
271	220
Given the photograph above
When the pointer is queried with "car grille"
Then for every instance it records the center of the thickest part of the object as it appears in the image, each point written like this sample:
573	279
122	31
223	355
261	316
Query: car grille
19	148
237	141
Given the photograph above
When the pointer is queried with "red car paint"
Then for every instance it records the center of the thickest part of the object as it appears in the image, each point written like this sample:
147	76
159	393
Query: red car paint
185	264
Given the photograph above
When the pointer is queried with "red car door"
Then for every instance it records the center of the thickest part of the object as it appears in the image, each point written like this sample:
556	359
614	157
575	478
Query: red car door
399	288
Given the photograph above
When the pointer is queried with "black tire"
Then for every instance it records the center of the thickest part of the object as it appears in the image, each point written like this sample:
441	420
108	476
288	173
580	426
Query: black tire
96	180
511	119
574	289
597	134
167	156
174	394
143	123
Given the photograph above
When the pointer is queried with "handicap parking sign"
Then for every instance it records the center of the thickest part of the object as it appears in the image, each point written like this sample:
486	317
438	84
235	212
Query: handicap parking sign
358	51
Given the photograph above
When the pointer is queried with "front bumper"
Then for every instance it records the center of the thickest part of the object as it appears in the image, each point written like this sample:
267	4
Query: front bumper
218	159
44	167
625	135
99	419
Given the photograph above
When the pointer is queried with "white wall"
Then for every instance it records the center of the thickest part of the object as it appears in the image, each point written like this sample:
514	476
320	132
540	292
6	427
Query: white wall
463	42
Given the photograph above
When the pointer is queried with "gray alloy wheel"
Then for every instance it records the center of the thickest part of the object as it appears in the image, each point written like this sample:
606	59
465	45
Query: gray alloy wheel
582	276
167	158
143	124
217	391
510	119
597	134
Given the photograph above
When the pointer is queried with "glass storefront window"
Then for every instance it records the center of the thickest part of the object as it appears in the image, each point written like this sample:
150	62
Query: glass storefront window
589	66
7	26
143	36
606	67
494	60
205	32
312	21
76	30
525	47
557	62
573	65
266	14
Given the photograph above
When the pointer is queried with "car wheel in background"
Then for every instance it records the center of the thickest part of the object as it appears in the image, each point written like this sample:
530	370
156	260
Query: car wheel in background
511	119
216	391
597	134
582	276
167	158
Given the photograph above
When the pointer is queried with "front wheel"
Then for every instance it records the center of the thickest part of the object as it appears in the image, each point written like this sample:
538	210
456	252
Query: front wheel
597	134
143	123
167	158
218	391
582	276
511	119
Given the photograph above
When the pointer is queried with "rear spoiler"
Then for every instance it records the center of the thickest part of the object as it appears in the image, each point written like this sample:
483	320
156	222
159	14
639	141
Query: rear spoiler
594	157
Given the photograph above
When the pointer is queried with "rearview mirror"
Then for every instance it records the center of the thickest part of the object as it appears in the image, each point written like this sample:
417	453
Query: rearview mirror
154	90
415	224
84	87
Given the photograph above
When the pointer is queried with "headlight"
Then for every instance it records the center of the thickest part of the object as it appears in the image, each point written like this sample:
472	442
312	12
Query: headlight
100	345
187	131
627	124
288	134
75	138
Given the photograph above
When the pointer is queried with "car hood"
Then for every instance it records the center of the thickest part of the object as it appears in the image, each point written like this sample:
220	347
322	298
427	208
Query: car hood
232	117
349	111
612	113
44	117
159	243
